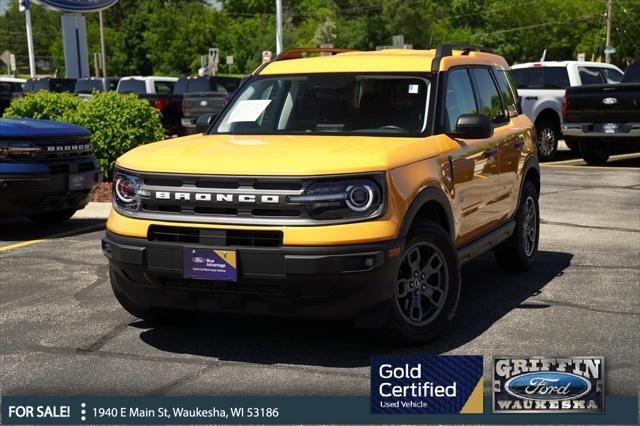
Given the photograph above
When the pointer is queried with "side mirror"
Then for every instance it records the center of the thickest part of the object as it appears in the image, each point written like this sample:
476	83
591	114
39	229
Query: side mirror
473	126
203	122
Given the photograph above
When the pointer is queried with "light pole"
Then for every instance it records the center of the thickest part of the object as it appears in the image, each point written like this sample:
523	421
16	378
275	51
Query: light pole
23	6
278	26
102	48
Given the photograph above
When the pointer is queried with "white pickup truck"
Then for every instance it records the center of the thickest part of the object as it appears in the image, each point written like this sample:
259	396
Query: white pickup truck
541	86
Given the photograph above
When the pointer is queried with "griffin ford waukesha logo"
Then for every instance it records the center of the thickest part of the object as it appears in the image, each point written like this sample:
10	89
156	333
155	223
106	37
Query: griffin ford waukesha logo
609	101
216	197
540	384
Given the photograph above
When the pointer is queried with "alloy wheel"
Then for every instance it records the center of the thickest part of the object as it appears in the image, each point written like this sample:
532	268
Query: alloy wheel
422	284
547	141
530	226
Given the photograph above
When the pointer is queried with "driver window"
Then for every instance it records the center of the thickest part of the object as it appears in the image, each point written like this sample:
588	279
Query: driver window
460	99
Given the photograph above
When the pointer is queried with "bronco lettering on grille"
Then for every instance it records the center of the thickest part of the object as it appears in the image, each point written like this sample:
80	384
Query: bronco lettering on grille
216	197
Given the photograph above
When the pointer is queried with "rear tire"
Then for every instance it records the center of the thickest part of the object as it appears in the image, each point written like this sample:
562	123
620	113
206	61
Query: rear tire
518	253
146	314
427	287
53	217
548	134
594	152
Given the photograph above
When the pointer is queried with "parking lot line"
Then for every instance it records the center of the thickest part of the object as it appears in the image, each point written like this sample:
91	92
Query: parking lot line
613	157
579	166
60	235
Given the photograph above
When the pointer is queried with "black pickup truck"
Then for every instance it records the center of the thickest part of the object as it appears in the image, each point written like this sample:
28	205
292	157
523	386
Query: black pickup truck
52	84
599	116
204	95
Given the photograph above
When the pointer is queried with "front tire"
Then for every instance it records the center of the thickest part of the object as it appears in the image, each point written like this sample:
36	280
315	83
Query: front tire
427	286
594	152
548	135
518	253
53	217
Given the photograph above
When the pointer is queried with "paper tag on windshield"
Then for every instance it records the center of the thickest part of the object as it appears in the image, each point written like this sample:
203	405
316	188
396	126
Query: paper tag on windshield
248	110
413	89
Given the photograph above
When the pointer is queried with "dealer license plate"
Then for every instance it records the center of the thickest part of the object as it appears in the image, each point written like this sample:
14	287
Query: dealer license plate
210	264
77	181
610	127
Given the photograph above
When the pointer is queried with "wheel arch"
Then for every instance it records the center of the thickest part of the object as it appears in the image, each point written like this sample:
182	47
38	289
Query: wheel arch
430	204
551	115
530	173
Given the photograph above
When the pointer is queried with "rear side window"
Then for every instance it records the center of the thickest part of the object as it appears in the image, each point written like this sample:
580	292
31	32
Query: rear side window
521	77
460	99
611	75
590	75
164	87
550	78
508	96
132	86
488	95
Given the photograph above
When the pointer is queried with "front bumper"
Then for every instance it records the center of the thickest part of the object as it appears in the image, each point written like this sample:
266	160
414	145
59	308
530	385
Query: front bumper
25	194
338	282
598	130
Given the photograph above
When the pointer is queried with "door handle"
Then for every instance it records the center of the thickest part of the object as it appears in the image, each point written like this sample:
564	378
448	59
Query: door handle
491	152
531	98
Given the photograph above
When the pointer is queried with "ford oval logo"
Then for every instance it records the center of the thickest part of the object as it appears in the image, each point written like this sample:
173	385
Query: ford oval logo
547	385
609	101
198	260
203	103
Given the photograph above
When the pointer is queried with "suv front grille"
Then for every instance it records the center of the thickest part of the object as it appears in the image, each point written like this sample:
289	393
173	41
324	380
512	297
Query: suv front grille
230	208
215	237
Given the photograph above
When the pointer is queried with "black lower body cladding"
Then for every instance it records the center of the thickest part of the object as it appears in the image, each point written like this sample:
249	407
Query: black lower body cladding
341	282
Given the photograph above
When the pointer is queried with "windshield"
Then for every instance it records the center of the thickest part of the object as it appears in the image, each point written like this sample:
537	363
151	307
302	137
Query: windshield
381	104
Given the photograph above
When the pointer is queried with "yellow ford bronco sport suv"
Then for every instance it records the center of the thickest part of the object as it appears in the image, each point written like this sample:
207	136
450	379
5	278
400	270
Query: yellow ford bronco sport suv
345	185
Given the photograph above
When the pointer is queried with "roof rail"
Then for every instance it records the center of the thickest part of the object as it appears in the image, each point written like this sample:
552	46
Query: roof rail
298	52
443	50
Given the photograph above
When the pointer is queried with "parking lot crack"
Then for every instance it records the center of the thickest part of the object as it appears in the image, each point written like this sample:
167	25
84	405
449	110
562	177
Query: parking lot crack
101	278
181	381
105	338
586	308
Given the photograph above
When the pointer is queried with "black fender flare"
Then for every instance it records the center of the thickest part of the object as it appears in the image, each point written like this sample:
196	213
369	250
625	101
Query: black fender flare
428	194
531	163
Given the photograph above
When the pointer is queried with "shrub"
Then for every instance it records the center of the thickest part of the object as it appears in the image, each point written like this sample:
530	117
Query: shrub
45	105
117	122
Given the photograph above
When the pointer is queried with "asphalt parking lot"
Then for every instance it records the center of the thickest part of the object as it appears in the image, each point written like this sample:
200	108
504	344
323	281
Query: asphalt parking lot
63	332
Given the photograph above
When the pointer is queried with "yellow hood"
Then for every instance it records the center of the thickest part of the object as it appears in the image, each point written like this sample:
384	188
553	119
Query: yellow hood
278	155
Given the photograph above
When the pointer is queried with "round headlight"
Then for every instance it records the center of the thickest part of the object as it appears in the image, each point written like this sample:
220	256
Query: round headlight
126	190
359	197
